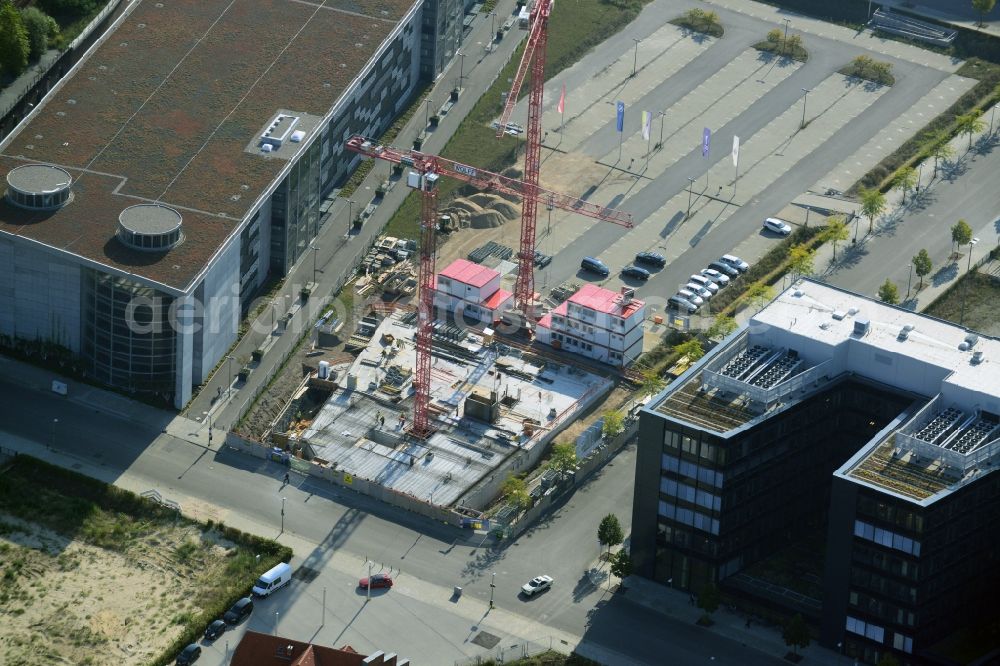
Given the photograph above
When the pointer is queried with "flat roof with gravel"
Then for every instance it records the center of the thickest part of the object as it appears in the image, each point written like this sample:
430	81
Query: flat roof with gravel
163	109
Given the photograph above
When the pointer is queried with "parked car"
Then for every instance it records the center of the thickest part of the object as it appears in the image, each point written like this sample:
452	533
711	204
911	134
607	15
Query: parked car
214	630
652	258
689	295
272	580
378	580
595	266
681	304
635	272
715	276
735	262
240	611
698	289
724	268
705	282
542	260
536	585
777	226
189	655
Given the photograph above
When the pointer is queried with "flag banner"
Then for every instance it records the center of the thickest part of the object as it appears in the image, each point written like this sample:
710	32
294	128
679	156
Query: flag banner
620	121
647	120
561	107
706	140
736	151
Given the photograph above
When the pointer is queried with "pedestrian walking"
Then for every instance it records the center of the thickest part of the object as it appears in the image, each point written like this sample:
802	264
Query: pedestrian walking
382	421
286	478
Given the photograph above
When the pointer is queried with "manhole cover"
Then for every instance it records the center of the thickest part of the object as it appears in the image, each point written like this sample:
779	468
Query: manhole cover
486	640
305	575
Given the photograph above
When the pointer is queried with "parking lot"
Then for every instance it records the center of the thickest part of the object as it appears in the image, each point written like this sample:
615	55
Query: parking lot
802	127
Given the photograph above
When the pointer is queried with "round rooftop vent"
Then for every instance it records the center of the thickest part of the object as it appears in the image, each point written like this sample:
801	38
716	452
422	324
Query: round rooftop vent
149	227
38	186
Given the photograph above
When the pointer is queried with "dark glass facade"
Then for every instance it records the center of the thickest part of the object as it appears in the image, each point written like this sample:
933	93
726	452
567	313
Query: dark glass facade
127	341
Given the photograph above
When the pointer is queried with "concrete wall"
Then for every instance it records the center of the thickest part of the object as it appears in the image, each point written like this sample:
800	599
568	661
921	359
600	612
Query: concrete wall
39	294
221	309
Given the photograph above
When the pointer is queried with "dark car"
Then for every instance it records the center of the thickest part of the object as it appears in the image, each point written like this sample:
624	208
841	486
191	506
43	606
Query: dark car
378	580
725	269
189	655
542	260
635	272
240	611
595	266
215	630
651	258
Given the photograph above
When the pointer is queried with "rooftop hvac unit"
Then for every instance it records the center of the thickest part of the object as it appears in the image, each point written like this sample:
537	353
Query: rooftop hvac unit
972	339
977	357
266	148
861	326
839	315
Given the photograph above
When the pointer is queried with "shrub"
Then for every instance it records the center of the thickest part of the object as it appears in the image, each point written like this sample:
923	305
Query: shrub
41	28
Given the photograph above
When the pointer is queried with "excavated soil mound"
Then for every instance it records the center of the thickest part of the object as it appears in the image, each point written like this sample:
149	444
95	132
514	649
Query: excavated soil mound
489	219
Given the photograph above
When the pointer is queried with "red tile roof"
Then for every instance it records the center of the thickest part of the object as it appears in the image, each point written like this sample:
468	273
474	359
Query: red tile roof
257	649
164	109
604	300
497	299
469	273
546	321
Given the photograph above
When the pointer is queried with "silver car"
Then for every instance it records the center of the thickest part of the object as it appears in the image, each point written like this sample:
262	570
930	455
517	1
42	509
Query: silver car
706	283
715	276
691	297
698	289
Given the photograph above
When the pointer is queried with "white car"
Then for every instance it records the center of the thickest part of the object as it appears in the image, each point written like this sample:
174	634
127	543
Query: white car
690	297
735	262
777	226
698	289
536	584
715	276
705	282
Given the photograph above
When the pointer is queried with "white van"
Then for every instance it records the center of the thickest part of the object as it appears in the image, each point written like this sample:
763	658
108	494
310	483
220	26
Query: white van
277	577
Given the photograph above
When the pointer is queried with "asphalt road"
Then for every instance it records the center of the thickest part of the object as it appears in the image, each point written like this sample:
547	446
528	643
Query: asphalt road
825	57
246	492
969	192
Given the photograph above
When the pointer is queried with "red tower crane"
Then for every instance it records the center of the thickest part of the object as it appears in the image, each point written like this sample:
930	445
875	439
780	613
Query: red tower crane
426	170
533	58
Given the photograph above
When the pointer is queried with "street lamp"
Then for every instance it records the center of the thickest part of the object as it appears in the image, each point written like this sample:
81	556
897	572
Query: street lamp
662	114
275	623
493	30
52	432
805	99
229	366
368	591
909	280
461	68
427	112
350	214
635	58
784	40
283	513
965	290
690	186
493	585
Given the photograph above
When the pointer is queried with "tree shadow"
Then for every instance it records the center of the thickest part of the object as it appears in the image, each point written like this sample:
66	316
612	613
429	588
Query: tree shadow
945	274
695	36
952	170
848	257
584	586
484	560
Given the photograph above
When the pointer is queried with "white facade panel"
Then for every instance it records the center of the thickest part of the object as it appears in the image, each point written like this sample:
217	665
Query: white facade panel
221	309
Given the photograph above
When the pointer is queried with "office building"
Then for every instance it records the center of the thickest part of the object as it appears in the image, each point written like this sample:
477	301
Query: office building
877	426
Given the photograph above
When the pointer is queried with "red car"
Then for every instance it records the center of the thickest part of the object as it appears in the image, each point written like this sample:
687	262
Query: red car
378	580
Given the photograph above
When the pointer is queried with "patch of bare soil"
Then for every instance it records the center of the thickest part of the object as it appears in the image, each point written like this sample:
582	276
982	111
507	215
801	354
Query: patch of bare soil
66	602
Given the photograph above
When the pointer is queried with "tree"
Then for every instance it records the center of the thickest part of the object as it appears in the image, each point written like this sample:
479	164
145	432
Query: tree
961	233
984	7
621	565
72	7
652	382
774	36
796	633
614	423
609	532
692	349
708	600
862	65
872	205
515	491
722	326
970	123
563	457
942	151
14	46
888	292
836	231
905	180
793	44
41	28
800	260
922	265
882	72
760	293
